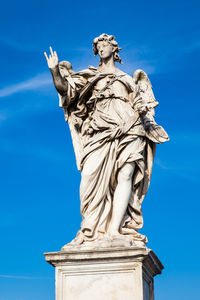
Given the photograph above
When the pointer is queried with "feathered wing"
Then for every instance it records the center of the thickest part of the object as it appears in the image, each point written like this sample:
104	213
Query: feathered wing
70	117
154	132
144	88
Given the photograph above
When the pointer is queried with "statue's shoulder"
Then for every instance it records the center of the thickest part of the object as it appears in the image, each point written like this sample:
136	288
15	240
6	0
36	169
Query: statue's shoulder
127	79
89	72
81	78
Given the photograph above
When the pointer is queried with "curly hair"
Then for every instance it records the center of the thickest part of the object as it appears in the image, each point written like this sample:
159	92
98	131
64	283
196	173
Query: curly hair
111	40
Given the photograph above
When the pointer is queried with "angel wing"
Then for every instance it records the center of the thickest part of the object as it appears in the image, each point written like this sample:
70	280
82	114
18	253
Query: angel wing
65	72
144	90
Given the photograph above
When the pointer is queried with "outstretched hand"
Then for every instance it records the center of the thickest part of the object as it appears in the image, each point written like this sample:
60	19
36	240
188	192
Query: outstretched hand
52	60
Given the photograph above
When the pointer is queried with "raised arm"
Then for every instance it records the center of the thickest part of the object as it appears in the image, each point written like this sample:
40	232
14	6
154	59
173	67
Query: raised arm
52	62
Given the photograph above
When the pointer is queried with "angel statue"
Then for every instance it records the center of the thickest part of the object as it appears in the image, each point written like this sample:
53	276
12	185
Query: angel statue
114	134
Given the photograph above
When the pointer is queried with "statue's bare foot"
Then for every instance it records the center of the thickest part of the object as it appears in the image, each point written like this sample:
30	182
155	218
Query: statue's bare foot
118	236
79	239
114	234
121	239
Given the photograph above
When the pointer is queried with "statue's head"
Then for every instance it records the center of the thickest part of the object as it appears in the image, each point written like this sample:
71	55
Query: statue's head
106	46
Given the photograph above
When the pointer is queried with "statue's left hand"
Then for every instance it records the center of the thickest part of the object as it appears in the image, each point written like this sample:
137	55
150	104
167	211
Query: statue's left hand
52	60
140	105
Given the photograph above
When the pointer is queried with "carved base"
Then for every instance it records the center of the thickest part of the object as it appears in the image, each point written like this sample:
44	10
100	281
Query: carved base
105	274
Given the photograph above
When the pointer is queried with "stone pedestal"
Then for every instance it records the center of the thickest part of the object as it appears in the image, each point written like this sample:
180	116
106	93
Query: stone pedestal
105	274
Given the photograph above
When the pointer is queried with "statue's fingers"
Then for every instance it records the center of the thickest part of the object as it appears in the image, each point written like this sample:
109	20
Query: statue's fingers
56	55
51	50
45	54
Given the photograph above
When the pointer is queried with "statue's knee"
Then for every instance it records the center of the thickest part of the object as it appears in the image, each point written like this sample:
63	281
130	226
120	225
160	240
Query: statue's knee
125	173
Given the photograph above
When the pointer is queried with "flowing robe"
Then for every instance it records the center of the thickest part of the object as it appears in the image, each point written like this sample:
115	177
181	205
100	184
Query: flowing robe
107	133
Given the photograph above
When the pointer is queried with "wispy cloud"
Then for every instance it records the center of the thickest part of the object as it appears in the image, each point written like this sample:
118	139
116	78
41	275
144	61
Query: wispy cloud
34	83
160	164
154	56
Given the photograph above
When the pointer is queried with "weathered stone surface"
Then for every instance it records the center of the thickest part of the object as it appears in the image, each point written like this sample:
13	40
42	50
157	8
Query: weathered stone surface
114	133
105	274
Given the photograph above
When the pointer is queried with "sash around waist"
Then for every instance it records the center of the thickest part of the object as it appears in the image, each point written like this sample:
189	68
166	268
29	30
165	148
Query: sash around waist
102	97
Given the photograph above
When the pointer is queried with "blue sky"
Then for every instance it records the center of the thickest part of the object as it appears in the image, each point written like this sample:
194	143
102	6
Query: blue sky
39	180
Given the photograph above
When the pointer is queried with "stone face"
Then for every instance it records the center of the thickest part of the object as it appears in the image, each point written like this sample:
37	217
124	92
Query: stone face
101	274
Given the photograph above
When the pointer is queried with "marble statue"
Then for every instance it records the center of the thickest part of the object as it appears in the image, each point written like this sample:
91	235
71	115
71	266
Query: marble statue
114	134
